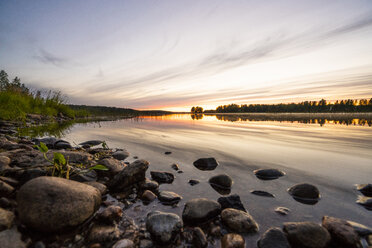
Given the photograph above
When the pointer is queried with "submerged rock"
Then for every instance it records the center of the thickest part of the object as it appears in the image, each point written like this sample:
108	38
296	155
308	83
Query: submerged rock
273	238
268	174
206	163
223	181
131	174
365	189
342	233
306	234
169	198
262	193
200	210
163	227
231	201
232	240
162	176
305	193
72	202
239	221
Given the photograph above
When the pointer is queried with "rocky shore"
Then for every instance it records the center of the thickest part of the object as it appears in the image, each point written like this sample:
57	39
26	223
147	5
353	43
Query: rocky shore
41	208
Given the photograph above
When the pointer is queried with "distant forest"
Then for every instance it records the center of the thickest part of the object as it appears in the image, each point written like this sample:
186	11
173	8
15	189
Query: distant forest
113	111
322	106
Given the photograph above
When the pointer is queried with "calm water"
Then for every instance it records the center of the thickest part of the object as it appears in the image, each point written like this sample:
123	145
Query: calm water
333	155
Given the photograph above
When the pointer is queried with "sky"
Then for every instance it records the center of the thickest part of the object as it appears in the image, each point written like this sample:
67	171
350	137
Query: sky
171	55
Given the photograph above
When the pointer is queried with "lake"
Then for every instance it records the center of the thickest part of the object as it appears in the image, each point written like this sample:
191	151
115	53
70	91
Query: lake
334	155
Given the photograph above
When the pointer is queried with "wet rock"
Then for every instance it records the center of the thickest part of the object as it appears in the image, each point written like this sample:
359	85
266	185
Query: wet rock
110	215
164	227
199	239
5	189
206	163
11	238
145	243
365	189
72	203
306	234
239	221
282	210
101	187
62	144
169	198
231	201
162	176
179	171
103	234
6	219
85	176
149	185
4	163
342	233
273	238
262	193
11	181
167	153
232	240
200	210
131	174
362	230
223	181
114	166
268	174
120	155
90	143
148	196
175	167
193	182
48	141
77	157
124	243
366	202
305	193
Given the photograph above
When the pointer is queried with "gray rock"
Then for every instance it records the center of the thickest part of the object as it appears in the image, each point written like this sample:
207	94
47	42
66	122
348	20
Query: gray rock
11	238
5	189
200	210
273	238
110	215
72	202
365	189
6	219
231	201
162	176
262	193
362	230
169	198
164	227
239	221
120	155
342	233
48	141
304	193
101	187
91	143
114	166
103	234
199	239
131	174
222	181
232	240
268	174
306	234
206	163
124	243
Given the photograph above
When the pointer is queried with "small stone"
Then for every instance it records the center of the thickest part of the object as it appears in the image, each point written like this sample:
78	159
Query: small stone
231	201
262	193
101	187
239	221
169	198
167	153
200	210
111	214
148	196
366	202
282	210
120	155
223	181
306	234
124	243
175	167
341	232
164	227
102	234
305	193
162	176
199	239
62	144
145	243
365	189
206	163
5	189
268	174
232	240
90	143
273	238
11	238
180	171
6	219
193	182
149	185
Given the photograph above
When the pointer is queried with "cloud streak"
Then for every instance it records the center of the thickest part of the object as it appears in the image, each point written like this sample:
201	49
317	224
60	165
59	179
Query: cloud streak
50	59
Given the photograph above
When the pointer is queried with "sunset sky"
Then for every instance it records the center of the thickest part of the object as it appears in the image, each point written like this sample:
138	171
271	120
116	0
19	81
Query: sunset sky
176	54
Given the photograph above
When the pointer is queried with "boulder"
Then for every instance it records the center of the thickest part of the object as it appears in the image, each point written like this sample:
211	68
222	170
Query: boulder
11	238
90	143
306	234
120	154
164	227
199	239
268	174
223	181
6	219
48	141
232	240
131	174
200	210
239	221
273	238
51	204
169	198
342	233
231	201
206	164
113	165
162	176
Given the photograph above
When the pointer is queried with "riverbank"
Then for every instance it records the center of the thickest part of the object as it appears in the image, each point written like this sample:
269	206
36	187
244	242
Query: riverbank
125	191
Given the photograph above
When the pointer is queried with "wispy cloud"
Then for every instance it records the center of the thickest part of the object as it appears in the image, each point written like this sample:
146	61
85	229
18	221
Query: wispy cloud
49	58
